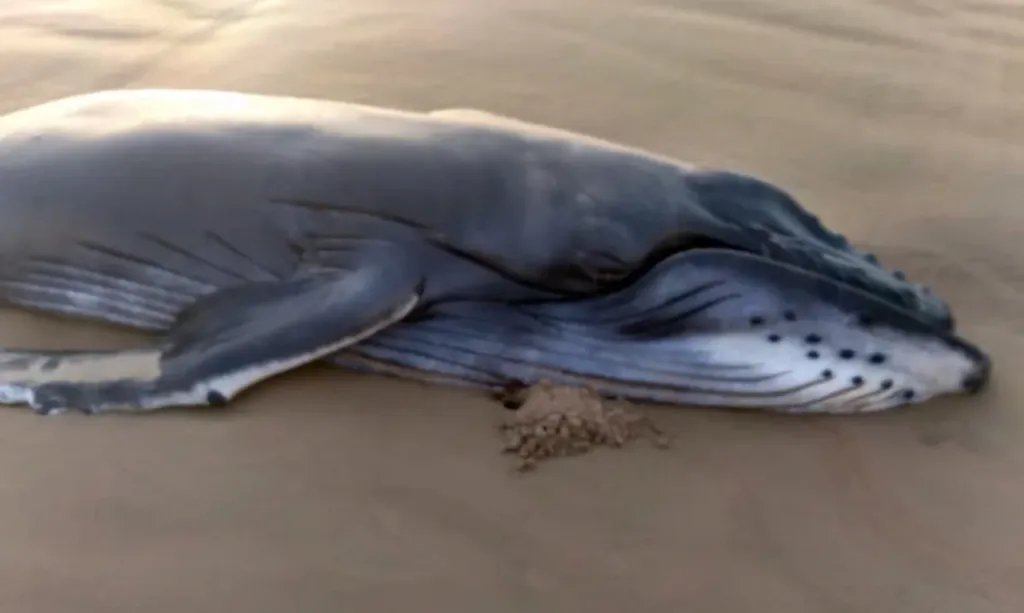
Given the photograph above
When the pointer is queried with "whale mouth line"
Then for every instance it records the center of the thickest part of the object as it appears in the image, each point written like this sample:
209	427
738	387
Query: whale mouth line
855	272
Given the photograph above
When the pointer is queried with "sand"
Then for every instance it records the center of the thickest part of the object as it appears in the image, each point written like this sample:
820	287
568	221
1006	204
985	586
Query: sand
548	421
899	121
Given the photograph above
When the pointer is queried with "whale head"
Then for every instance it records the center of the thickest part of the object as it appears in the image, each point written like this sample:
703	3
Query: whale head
746	301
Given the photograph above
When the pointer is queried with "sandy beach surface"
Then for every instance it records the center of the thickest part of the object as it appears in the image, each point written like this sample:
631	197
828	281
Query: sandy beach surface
900	122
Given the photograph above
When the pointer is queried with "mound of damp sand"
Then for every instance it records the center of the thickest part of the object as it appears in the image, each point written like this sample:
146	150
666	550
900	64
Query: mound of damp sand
552	421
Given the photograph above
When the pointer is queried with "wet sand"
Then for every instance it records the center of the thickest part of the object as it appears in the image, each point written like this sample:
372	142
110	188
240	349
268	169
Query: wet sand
899	121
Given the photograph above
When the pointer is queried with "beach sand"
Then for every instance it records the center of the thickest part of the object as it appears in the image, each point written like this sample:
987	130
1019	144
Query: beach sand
900	122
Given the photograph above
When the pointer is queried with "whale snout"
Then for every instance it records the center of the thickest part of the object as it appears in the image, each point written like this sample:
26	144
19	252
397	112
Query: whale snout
975	381
975	365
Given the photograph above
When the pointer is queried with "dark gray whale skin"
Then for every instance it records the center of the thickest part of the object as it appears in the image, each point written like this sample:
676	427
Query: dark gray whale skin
257	233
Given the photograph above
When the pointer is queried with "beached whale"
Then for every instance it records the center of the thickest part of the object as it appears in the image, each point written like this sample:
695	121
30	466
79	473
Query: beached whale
254	234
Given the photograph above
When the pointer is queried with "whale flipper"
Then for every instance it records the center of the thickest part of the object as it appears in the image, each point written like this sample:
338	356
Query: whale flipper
219	346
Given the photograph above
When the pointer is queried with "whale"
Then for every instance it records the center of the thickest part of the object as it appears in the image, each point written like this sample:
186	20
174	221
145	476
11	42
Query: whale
248	235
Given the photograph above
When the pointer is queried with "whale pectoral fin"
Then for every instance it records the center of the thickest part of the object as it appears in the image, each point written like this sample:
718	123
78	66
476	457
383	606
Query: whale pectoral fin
219	346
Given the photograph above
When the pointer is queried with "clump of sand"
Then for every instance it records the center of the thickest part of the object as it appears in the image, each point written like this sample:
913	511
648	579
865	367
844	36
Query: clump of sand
556	421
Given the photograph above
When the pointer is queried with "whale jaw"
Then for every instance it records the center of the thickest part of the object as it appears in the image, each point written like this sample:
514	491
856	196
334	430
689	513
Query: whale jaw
709	327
